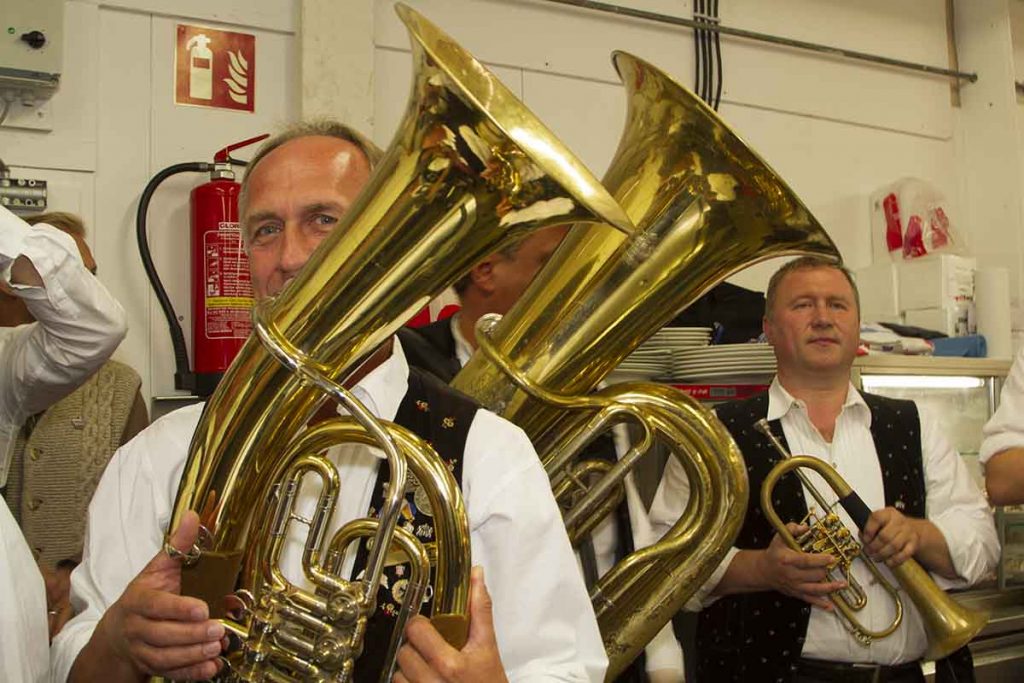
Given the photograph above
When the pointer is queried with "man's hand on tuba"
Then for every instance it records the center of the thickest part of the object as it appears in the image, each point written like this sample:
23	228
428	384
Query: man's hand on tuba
152	629
427	658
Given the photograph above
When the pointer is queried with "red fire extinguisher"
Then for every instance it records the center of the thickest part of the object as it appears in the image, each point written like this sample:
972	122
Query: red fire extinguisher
221	290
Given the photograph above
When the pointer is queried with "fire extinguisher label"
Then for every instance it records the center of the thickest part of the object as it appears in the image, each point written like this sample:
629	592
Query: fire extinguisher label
228	288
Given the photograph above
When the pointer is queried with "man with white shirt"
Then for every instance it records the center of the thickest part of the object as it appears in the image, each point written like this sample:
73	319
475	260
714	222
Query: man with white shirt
492	286
1002	451
134	623
766	613
78	325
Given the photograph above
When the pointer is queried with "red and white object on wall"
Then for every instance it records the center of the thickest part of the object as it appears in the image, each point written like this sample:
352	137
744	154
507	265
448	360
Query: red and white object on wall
214	68
221	289
222	296
909	219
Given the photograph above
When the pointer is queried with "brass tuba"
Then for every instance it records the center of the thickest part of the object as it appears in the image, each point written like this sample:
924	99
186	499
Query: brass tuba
469	170
705	206
948	624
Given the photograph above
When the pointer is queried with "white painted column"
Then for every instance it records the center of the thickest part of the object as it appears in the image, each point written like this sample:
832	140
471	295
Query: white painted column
986	146
336	40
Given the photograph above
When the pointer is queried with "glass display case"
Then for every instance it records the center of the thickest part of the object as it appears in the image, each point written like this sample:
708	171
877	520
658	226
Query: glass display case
963	393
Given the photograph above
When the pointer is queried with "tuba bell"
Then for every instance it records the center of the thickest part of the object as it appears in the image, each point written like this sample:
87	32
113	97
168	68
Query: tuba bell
948	624
469	170
705	206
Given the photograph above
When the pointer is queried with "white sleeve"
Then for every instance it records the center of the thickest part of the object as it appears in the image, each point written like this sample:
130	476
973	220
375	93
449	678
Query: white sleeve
669	500
543	620
127	518
1005	429
668	505
79	326
955	505
664	653
23	627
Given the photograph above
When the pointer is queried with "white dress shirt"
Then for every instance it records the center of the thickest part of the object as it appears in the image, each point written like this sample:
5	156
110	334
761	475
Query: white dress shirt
545	627
463	349
953	503
663	653
1005	429
24	633
79	326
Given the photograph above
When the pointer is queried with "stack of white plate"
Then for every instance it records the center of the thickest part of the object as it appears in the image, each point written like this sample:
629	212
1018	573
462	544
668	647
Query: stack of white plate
726	363
678	338
645	364
656	356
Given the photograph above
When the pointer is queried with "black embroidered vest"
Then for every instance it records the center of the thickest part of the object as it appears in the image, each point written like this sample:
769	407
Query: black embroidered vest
759	636
442	416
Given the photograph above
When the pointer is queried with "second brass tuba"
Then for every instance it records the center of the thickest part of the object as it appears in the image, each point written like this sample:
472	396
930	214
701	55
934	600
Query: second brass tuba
469	170
705	206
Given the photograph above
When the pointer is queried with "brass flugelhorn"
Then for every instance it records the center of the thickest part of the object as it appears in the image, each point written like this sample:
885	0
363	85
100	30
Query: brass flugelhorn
705	206
948	624
469	170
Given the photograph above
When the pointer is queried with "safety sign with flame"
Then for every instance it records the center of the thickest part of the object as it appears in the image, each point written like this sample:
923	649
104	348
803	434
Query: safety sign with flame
214	68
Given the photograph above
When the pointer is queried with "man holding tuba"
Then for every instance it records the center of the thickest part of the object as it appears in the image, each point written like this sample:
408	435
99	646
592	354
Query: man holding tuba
133	622
767	614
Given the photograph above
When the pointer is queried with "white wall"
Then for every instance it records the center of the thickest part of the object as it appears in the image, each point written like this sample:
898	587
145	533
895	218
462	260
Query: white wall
836	130
115	124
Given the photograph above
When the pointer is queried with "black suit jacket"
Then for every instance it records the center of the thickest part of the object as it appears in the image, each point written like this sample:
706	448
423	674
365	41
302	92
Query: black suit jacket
431	348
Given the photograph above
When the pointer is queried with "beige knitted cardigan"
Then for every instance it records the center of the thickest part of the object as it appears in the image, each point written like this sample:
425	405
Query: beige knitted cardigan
57	467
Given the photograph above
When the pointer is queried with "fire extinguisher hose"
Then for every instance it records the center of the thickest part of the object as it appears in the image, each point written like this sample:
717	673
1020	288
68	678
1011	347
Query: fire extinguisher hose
182	375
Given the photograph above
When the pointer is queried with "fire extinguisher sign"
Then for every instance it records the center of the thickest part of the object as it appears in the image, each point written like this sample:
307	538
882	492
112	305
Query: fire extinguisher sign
214	68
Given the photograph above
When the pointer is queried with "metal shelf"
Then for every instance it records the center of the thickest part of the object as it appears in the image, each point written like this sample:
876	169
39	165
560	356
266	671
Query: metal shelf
931	365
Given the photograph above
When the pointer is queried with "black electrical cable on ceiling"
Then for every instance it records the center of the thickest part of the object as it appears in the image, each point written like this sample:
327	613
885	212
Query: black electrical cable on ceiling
709	61
705	52
718	57
709	57
696	54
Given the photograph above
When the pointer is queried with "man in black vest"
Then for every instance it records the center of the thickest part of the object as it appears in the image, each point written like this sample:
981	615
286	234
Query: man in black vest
443	347
532	621
492	286
766	613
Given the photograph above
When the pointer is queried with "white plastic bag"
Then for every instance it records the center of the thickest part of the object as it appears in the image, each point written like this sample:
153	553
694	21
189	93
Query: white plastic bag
913	217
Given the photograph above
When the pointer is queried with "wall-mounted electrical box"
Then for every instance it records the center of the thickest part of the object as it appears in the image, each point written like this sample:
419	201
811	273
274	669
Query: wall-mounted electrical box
31	49
22	195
